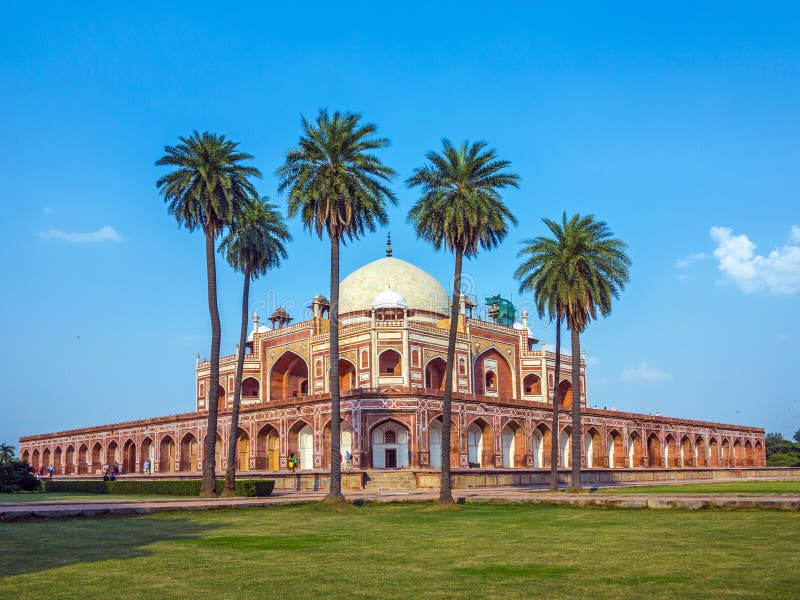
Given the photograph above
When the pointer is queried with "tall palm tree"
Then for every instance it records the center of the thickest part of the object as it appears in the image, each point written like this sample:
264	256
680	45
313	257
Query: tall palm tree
460	210
593	266
339	189
207	188
541	274
253	245
6	453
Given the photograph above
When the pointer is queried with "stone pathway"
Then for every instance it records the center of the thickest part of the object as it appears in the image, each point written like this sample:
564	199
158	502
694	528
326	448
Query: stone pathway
54	510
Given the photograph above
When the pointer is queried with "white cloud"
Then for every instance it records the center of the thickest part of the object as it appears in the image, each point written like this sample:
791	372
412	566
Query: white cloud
691	259
104	234
600	381
778	272
47	210
644	372
592	361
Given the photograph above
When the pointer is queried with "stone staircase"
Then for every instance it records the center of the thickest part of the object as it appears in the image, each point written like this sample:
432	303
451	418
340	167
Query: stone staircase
388	481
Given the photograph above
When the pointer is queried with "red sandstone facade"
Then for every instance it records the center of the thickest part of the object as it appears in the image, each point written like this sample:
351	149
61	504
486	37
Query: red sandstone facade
392	366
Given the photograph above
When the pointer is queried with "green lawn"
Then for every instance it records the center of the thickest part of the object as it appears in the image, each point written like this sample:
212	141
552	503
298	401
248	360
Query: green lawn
723	487
406	551
76	497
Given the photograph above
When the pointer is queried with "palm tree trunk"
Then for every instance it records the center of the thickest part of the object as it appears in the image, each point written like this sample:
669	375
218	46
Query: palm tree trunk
230	472
554	432
208	487
577	434
446	491
335	493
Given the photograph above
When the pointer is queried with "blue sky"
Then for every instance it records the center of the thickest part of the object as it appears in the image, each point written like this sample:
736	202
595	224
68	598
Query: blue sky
678	125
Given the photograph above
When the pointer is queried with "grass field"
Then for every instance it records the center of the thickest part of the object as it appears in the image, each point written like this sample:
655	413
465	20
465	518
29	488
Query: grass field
406	551
723	487
77	497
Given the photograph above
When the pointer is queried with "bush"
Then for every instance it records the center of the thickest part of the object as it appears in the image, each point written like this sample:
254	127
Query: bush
165	487
16	476
784	459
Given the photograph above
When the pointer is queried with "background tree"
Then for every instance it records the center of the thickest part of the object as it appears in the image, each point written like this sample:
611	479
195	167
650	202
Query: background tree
6	453
594	268
253	245
338	188
207	188
541	273
460	210
780	451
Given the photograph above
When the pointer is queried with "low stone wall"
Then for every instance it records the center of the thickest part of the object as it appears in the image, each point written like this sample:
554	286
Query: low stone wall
518	477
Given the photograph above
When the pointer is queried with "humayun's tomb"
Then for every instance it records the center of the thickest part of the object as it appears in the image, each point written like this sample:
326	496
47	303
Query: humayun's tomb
393	343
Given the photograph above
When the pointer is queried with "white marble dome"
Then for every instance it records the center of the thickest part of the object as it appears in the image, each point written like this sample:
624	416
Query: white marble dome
418	289
389	299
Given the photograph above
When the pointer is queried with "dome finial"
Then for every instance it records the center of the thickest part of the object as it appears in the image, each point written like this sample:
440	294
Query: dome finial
389	244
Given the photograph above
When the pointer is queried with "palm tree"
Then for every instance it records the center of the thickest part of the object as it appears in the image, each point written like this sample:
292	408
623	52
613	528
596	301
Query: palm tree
338	187
593	268
541	273
461	210
207	188
6	453
253	245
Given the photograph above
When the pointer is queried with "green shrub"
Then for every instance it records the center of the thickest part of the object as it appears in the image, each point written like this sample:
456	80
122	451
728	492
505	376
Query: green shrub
16	476
165	487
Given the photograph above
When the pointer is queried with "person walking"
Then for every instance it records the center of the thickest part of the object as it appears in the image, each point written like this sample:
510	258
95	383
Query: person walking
50	470
147	466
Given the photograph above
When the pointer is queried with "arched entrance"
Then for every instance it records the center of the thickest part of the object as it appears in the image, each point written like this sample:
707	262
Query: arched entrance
592	450
713	452
166	451
542	446
480	444
390	446
242	451
250	388
83	459
288	377
46	458
687	454
97	458
268	448
654	453
69	463
532	385
738	459
390	363
670	452
129	457
565	394
512	440
35	459
759	454
700	452
189	453
492	375
726	453
565	447
748	454
58	457
634	450
345	443
147	452
111	454
222	398
435	441
435	372
616	450
305	446
347	375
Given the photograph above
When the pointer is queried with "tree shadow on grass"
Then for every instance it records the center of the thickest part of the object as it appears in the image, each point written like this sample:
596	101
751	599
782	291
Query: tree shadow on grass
33	546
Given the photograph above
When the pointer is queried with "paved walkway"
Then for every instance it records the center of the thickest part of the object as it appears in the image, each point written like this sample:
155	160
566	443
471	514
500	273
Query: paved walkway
52	510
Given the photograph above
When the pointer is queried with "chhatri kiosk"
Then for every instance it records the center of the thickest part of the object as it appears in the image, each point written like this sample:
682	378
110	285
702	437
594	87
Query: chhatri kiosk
394	320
